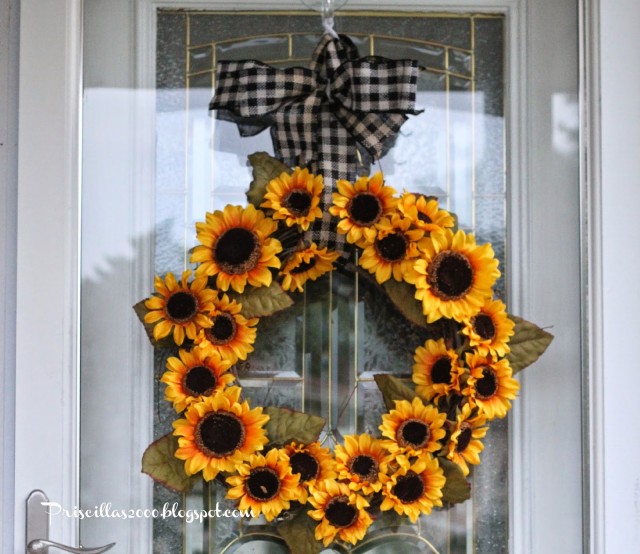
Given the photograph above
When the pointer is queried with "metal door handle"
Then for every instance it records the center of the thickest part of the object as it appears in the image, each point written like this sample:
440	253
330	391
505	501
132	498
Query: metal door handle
37	529
39	546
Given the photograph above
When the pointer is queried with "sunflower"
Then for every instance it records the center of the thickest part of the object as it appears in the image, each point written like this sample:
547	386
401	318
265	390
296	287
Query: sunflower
179	306
231	334
491	385
489	330
195	375
359	460
264	484
464	443
295	197
413	428
314	463
394	249
414	489
219	433
307	265
361	205
425	213
436	371
455	276
237	248
340	511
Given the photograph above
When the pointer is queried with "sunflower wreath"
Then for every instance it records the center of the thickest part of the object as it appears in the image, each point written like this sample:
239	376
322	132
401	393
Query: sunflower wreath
248	263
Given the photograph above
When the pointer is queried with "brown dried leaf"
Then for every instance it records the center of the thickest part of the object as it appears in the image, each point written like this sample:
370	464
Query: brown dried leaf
159	463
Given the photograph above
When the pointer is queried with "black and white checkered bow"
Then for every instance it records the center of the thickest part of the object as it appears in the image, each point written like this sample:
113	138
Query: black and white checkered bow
337	116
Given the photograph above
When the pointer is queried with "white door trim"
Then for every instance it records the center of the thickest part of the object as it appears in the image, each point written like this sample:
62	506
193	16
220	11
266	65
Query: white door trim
615	199
591	286
9	38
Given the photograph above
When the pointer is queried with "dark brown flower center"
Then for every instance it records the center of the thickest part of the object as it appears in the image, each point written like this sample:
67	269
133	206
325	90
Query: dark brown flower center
199	380
365	467
365	209
237	251
409	487
340	513
424	218
182	306
223	329
219	434
483	326
464	438
263	484
441	371
450	275
304	464
392	248
304	266
487	385
297	202
413	433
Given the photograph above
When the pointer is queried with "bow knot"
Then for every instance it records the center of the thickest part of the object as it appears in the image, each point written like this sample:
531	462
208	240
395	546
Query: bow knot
322	114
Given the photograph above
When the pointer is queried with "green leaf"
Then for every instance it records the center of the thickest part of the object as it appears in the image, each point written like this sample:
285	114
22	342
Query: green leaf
299	534
403	297
265	168
286	425
141	311
457	489
262	301
159	463
393	389
527	344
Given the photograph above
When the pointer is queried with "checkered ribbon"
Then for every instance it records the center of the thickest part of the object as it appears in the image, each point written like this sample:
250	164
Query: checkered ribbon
337	116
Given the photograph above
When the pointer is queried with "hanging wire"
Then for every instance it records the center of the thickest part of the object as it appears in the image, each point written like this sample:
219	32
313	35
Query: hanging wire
327	9
327	23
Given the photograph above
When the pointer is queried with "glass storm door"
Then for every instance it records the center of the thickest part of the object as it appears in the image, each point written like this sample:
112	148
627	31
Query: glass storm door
498	126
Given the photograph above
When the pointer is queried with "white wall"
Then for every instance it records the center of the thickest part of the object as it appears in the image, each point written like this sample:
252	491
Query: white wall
9	18
620	83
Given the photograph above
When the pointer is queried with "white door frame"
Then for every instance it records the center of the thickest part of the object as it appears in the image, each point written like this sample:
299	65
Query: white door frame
49	138
48	258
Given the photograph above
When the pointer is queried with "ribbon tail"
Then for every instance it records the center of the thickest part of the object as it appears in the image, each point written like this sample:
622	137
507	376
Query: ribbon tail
336	159
247	126
295	131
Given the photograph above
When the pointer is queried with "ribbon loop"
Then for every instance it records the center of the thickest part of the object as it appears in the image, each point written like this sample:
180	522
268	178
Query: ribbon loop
375	84
253	89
